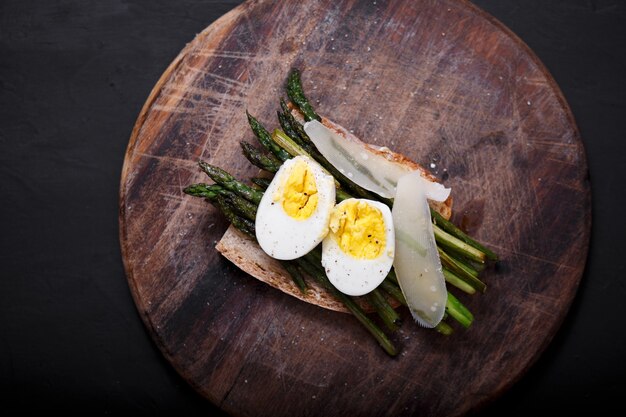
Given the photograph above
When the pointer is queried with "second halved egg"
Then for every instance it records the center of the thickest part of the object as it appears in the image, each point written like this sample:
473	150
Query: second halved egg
358	252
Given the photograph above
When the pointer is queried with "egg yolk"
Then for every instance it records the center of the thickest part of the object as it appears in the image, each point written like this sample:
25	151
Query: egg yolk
359	229
299	192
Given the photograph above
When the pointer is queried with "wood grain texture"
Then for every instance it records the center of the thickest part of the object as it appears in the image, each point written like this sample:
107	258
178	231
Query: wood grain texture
439	81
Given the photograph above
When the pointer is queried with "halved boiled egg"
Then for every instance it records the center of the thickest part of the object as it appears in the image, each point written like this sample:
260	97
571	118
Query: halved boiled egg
294	212
358	252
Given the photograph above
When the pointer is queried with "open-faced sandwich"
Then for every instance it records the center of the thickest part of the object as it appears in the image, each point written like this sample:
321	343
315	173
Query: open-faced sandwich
345	225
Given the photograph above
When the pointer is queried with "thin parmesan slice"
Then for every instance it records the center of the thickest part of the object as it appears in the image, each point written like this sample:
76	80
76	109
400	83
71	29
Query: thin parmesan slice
417	262
367	169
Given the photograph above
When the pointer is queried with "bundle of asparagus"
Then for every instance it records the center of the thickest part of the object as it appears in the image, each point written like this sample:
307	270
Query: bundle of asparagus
461	256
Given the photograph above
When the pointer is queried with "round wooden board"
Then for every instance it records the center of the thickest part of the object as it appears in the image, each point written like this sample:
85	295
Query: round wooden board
439	81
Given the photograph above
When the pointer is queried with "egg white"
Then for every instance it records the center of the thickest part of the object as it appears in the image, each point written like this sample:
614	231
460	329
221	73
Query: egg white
354	276
282	236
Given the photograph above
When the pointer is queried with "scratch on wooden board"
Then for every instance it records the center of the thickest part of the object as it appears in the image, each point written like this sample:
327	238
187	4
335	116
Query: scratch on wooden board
208	143
480	185
575	186
561	161
234	94
241	73
502	249
333	353
536	81
549	143
176	94
531	308
516	116
170	109
169	159
197	204
172	197
536	203
246	56
229	82
377	368
181	92
180	183
542	298
295	377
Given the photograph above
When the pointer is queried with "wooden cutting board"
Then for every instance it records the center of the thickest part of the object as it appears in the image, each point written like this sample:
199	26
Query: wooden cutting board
439	81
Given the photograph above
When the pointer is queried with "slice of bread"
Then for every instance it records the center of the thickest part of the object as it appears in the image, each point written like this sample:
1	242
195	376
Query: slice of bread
249	257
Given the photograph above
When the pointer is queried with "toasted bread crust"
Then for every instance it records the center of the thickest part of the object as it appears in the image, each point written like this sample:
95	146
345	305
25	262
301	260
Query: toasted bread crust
246	254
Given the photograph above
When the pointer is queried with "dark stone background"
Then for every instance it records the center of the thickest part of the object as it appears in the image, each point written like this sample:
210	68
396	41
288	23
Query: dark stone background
73	77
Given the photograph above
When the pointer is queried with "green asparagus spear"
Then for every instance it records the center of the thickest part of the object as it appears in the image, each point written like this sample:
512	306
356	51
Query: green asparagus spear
317	273
470	266
288	144
444	328
230	183
262	183
297	128
341	195
394	291
265	139
453	279
240	205
259	159
240	223
457	245
462	272
298	279
384	310
203	190
449	227
295	93
458	311
391	276
283	120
